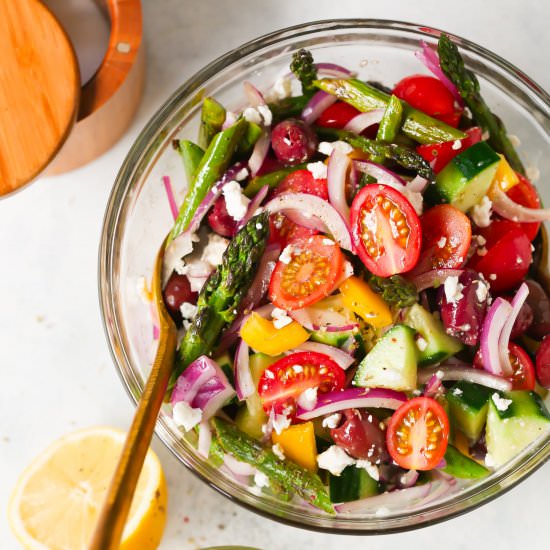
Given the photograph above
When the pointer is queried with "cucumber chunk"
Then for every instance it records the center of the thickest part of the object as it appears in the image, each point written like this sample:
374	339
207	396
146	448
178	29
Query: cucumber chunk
468	408
439	345
467	178
391	363
352	484
515	419
459	465
337	339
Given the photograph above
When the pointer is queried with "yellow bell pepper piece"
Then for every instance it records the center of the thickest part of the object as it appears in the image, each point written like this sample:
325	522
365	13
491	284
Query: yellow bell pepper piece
505	177
359	297
261	335
298	444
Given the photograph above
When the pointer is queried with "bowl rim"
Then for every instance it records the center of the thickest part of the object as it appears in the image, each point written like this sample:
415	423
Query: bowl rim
127	174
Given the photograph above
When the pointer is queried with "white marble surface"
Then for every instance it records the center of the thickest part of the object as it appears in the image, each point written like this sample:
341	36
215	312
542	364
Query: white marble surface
57	374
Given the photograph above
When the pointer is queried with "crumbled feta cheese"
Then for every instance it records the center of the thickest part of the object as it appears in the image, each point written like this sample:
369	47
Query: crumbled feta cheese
421	344
348	270
280	318
235	202
267	116
331	421
325	148
453	289
318	170
186	416
308	399
370	468
280	422
213	251
442	242
456	145
286	254
282	88
242	174
181	246
481	212
335	460
188	310
252	115
457	392
259	226
482	290
261	480
501	403
278	451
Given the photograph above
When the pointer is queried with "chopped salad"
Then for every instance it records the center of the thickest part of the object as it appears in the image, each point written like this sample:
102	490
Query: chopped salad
353	274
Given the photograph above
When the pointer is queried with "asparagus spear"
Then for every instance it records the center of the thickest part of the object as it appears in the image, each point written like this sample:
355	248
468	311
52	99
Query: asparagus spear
285	473
219	299
395	290
213	164
391	121
416	124
289	107
304	69
212	119
191	155
405	157
468	86
272	179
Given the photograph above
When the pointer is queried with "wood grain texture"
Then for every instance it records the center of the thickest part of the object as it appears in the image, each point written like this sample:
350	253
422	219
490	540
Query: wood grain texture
110	99
39	90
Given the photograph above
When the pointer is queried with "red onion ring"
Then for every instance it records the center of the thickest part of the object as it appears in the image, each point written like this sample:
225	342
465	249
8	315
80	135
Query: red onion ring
469	374
417	184
379	172
253	205
504	338
337	170
244	385
192	379
254	96
362	121
434	277
315	207
316	105
205	439
334	70
341	358
312	318
491	330
352	398
170	196
257	158
507	208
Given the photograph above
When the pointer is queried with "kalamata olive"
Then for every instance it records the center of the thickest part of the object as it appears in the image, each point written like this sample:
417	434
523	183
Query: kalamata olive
523	321
540	305
361	436
220	221
293	141
176	292
463	314
542	363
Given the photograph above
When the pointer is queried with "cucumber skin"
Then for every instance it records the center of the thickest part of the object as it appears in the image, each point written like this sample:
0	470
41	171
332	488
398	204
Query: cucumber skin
468	411
352	484
461	466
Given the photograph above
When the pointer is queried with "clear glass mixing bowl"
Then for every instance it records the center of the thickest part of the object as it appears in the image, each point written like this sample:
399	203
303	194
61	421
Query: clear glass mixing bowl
138	218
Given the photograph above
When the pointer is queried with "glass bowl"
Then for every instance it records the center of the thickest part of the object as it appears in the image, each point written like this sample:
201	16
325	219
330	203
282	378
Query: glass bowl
138	217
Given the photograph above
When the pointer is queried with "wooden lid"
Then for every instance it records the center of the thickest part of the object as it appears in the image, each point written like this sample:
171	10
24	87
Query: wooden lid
39	91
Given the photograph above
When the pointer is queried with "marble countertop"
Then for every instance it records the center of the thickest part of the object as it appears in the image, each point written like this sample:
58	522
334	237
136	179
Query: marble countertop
57	374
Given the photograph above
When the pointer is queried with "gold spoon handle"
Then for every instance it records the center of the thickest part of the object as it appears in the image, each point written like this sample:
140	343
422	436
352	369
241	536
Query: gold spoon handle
110	525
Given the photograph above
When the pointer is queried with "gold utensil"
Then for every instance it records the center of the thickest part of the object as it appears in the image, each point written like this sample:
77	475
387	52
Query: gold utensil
110	525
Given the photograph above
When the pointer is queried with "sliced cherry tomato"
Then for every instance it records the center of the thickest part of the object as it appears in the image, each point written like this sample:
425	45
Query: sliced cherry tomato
418	434
507	262
282	383
429	95
337	115
524	193
309	275
523	377
282	230
385	230
542	362
446	237
440	154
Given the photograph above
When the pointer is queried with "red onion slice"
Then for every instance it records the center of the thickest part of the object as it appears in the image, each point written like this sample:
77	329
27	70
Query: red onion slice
491	330
435	277
352	398
238	467
213	395
337	170
314	207
304	220
312	318
504	339
243	377
433	386
507	208
362	121
260	283
417	184
316	105
192	379
205	439
469	374
379	172
261	148
170	196
332	69
253	206
341	358
254	96
408	479
430	60
230	119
